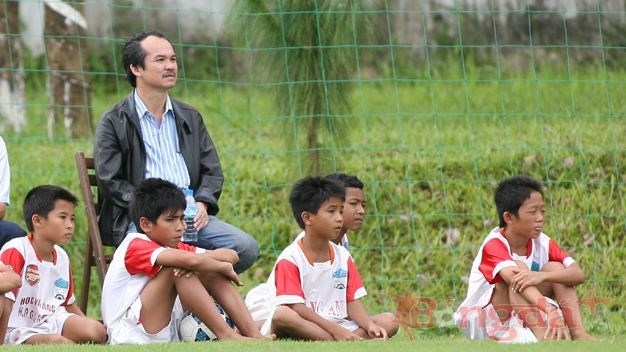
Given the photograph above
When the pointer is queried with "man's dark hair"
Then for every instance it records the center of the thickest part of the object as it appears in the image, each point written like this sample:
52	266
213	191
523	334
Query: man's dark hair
134	54
40	200
154	197
511	194
348	181
309	193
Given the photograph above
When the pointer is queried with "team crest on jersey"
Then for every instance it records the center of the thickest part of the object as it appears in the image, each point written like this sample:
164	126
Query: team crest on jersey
32	274
60	289
339	277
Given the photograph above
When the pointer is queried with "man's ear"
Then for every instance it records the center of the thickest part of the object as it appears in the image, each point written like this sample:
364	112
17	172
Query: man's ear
135	69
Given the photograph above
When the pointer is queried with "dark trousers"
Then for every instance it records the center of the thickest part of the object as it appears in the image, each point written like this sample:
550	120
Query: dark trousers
9	230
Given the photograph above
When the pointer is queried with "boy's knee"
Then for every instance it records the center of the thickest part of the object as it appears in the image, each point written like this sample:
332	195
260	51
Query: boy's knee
97	333
283	316
390	323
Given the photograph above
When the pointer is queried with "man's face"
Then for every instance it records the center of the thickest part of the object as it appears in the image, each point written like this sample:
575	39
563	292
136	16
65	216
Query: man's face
160	67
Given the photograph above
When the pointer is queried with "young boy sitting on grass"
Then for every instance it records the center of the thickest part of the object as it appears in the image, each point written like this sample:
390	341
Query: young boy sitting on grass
154	277
317	285
517	272
261	299
43	309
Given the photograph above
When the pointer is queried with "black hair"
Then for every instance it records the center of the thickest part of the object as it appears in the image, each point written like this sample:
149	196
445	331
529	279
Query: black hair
348	181
134	54
309	193
41	201
154	197
512	192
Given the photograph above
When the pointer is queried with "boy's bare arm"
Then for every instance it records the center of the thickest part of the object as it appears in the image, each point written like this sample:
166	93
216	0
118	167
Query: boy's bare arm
224	255
191	261
569	276
337	332
72	308
357	312
9	279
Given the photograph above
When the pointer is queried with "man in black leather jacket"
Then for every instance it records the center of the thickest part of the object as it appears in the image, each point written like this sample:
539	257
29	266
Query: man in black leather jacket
148	134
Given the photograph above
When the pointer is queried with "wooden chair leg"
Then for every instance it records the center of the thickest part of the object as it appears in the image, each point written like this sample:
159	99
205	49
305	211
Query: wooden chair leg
84	292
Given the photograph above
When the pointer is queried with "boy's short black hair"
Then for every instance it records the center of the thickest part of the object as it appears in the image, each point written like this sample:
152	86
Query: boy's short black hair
348	181
309	193
512	192
134	54
41	201
154	197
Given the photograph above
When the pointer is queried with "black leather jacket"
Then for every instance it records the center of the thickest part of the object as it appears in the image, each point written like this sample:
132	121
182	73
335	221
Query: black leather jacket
120	163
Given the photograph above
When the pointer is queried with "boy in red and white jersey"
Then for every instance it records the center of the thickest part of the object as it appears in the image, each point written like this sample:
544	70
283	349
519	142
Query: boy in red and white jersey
43	309
154	277
517	274
260	300
317	284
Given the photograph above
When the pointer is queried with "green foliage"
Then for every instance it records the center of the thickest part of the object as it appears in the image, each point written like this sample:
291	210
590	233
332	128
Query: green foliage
309	66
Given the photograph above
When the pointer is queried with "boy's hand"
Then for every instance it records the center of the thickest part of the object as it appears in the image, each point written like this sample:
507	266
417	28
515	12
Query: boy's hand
180	272
230	273
523	279
376	332
556	328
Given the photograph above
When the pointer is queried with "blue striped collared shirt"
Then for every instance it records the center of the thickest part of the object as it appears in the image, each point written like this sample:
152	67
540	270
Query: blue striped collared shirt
163	157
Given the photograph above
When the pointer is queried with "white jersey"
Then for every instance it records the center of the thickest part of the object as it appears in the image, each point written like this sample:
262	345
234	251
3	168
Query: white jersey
261	299
326	288
46	286
132	267
493	256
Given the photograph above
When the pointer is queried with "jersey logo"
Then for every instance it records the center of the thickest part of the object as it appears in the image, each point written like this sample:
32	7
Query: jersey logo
339	277
534	266
32	274
340	273
60	289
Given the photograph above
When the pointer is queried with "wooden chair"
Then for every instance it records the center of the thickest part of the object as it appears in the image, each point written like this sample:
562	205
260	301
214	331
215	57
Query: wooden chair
94	253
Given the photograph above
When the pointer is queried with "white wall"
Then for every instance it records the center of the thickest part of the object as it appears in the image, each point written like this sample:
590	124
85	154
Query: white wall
205	15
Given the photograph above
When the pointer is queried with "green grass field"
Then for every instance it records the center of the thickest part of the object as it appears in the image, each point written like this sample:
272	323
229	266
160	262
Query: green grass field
434	344
430	154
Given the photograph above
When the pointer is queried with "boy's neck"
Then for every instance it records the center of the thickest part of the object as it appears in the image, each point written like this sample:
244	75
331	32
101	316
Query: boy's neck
43	249
317	250
518	244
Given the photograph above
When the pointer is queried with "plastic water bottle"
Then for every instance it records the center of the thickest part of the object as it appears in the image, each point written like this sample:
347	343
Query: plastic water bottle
190	234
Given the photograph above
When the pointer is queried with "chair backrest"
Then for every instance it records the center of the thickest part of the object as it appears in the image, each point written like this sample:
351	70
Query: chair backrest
94	254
